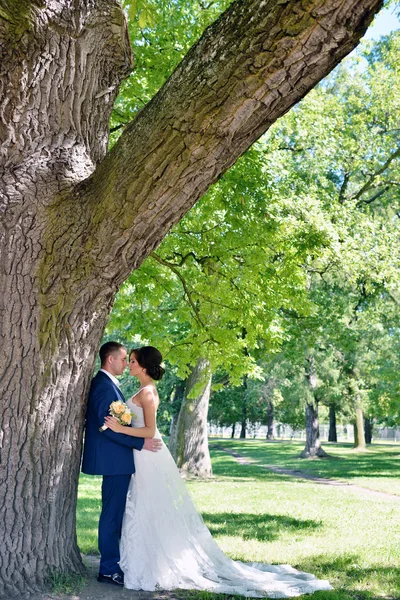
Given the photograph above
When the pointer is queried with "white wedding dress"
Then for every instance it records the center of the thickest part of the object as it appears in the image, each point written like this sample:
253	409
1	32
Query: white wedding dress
166	545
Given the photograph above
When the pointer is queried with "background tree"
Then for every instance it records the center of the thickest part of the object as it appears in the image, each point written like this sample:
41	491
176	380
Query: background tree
211	292
307	214
353	171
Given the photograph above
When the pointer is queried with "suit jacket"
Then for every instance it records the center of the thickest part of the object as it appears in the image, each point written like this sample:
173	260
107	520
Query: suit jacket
107	452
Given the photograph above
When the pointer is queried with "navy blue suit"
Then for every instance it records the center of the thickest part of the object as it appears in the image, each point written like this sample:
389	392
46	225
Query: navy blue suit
109	454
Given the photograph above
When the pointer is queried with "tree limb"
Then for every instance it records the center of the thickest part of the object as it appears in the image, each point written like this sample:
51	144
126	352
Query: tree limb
374	197
367	186
184	285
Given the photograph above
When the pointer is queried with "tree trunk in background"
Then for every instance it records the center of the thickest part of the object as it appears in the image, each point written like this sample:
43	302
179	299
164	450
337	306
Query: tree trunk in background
358	420
233	430
313	447
332	436
178	396
190	444
368	430
76	221
359	436
244	408
270	420
266	397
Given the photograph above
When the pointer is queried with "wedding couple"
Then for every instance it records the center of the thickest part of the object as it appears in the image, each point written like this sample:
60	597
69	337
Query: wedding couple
150	534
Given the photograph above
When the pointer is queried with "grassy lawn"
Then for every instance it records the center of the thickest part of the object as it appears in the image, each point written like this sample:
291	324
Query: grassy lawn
256	515
378	468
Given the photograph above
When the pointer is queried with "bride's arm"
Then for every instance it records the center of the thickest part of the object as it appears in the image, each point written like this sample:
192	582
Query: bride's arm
148	431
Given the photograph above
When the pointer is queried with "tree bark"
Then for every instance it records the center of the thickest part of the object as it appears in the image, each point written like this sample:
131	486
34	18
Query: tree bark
358	421
233	430
266	397
244	409
60	73
76	221
270	420
332	436
313	447
359	436
179	394
368	430
189	446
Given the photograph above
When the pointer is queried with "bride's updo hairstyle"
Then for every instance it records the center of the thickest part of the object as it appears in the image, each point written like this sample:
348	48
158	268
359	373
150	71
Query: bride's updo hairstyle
150	359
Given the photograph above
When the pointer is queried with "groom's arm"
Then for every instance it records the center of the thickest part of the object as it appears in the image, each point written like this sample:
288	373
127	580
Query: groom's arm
101	400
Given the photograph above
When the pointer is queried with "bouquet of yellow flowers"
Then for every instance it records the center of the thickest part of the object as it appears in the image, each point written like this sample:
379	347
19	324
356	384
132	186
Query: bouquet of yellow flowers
121	412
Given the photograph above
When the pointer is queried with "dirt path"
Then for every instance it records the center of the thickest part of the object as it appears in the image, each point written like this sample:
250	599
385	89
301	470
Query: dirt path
303	475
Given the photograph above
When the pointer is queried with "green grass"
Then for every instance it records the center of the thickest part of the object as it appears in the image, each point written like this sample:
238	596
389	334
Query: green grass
258	515
87	516
378	468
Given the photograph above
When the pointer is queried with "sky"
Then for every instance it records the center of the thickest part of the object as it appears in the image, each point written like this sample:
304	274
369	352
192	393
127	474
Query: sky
385	22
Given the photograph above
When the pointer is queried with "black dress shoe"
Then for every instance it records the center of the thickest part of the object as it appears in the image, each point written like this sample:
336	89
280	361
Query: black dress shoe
116	579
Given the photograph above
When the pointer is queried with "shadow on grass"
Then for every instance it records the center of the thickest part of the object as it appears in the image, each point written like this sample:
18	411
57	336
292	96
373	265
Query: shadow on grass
264	528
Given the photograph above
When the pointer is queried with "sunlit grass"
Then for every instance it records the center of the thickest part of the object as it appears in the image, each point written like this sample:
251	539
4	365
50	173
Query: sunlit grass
257	515
378	468
87	517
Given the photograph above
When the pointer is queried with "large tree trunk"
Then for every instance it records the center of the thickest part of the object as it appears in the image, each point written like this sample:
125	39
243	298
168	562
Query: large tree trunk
59	77
332	436
75	222
189	446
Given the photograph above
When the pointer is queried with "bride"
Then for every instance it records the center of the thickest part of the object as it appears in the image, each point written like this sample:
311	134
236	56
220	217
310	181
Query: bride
164	543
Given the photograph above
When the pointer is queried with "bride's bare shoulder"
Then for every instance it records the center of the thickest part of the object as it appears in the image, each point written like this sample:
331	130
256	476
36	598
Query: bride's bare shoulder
148	396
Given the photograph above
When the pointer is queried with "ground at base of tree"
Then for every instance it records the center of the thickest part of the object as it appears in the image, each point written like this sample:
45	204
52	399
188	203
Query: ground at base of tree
93	590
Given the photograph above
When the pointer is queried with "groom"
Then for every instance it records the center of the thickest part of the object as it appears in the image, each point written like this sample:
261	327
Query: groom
110	454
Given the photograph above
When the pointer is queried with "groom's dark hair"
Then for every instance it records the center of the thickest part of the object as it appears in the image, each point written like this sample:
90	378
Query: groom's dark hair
109	348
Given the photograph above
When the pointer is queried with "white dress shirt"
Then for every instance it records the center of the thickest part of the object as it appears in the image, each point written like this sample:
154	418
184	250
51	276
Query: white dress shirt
113	379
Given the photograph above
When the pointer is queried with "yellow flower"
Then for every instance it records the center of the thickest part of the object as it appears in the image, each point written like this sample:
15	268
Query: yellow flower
118	408
126	418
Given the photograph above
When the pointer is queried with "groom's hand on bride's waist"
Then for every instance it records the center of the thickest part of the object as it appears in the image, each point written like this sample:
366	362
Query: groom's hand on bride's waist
152	444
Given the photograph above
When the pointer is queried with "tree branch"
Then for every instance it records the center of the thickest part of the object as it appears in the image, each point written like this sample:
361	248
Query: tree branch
374	197
343	188
184	285
368	185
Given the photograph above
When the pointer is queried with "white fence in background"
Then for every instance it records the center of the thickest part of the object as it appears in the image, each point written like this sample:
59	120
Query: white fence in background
345	433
